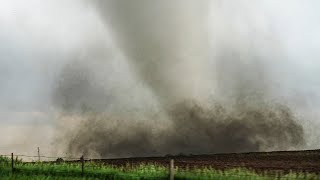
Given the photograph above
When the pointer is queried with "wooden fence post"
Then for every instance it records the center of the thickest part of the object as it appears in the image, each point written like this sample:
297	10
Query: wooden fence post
12	168
38	154
171	169
82	165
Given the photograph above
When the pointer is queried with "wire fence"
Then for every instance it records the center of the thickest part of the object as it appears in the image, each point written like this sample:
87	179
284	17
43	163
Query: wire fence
172	168
43	158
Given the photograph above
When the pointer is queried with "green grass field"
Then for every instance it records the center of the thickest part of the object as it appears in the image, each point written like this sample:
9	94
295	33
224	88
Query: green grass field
144	171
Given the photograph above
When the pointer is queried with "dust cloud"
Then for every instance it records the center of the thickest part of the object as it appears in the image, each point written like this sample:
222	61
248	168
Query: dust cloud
214	87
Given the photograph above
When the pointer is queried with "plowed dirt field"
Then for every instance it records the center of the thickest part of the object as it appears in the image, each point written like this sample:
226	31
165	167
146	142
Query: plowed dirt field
301	161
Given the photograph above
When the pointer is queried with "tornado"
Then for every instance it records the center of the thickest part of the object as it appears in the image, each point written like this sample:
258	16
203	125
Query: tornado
210	70
166	43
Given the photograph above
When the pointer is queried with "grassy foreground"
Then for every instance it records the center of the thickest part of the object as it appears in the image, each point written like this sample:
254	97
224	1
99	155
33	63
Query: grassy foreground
97	171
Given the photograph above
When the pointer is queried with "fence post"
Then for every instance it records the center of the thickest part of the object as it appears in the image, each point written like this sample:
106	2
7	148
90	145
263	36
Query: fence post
12	168
38	154
82	165
171	169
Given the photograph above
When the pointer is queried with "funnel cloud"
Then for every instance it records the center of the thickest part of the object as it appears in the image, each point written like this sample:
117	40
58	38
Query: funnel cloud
213	87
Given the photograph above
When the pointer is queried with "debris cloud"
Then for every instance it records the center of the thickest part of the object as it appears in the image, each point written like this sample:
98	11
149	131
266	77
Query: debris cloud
213	83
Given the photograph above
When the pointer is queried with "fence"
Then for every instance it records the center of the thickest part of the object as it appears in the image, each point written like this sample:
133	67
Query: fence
171	170
58	159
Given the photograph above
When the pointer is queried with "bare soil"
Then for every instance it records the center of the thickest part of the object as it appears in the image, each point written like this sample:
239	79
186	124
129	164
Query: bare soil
297	161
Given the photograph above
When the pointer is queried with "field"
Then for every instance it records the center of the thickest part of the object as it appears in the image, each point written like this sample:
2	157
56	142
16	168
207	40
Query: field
286	161
273	165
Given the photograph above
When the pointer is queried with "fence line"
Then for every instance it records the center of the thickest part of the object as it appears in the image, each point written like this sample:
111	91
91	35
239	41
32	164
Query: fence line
171	171
49	157
81	159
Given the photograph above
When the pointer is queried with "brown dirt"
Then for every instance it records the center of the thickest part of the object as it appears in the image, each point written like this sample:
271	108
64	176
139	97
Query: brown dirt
297	161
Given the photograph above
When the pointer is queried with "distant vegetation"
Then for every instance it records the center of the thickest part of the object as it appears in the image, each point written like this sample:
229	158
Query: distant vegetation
72	170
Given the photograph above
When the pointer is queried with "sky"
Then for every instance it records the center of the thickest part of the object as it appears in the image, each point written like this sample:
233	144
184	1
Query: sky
41	39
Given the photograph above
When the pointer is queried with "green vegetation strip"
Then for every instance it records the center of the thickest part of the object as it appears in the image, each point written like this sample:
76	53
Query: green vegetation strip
143	171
